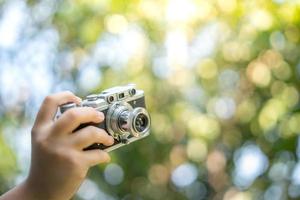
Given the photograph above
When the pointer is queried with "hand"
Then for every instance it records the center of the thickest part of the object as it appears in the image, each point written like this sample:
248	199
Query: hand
59	164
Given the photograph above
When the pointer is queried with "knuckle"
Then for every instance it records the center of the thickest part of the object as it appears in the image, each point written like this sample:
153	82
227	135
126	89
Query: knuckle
72	114
104	135
89	114
91	132
105	138
48	99
98	133
86	110
94	130
68	93
91	111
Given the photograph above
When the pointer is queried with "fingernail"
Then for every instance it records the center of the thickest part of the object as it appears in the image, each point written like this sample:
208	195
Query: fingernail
106	158
79	99
101	115
111	140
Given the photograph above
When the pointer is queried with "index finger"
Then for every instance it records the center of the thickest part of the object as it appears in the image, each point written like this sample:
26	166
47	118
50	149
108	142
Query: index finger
50	104
74	117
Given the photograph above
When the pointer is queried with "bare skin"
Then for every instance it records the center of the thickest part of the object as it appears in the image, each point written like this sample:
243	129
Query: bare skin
59	164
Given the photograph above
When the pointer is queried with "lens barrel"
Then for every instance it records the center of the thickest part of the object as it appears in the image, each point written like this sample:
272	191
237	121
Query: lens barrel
122	120
140	122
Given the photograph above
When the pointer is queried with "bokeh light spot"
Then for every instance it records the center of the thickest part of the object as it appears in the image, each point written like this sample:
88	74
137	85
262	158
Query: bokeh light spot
116	23
250	162
259	74
207	69
227	6
215	162
196	150
261	19
184	175
204	126
271	113
113	174
225	107
158	174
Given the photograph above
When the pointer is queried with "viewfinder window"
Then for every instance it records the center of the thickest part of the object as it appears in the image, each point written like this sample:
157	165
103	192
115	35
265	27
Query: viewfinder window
121	95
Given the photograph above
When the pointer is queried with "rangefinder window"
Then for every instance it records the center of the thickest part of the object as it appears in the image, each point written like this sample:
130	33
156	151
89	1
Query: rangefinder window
121	96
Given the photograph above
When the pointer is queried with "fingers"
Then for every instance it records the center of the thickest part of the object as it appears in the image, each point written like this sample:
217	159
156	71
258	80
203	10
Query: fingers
90	135
50	104
72	118
95	157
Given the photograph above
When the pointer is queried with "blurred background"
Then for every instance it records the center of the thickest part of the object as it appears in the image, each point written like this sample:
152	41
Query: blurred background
221	79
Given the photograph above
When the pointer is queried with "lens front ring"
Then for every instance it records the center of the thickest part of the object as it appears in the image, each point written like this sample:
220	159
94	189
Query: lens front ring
140	122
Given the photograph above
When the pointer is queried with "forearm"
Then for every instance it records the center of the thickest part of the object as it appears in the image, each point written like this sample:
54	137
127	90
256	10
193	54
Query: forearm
21	191
26	191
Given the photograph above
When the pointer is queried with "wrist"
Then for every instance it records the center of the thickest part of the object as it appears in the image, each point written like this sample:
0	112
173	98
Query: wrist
23	191
29	191
34	191
38	188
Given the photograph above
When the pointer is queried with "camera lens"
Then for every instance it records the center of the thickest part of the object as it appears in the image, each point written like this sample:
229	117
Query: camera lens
141	122
124	121
136	122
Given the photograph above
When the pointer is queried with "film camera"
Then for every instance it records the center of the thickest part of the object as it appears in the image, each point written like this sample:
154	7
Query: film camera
126	117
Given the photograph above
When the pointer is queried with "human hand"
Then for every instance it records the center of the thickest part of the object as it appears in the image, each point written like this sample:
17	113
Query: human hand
59	164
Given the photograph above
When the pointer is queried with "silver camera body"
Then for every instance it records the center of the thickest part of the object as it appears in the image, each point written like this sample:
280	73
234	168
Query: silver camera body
126	117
